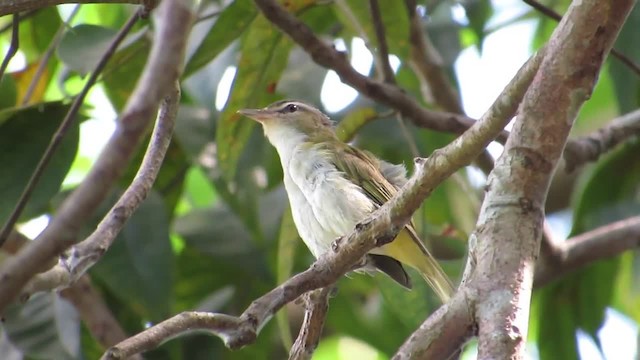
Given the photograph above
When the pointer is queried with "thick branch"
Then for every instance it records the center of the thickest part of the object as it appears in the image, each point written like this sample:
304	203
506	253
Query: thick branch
519	183
441	334
316	304
161	72
88	252
589	148
601	243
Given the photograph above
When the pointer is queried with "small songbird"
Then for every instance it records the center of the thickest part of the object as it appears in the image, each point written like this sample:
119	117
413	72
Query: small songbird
332	186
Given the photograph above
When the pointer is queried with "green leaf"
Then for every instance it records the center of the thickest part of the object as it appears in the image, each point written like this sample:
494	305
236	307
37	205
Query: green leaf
24	135
556	332
104	14
357	20
233	20
410	307
84	45
46	327
8	92
626	82
478	13
138	268
287	243
583	296
37	32
353	121
264	55
121	74
218	232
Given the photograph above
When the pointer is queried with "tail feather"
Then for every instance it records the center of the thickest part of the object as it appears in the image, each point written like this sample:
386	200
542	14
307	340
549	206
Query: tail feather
409	249
433	274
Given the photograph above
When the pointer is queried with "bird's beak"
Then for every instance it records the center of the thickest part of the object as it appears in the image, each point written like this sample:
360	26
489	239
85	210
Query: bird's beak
258	115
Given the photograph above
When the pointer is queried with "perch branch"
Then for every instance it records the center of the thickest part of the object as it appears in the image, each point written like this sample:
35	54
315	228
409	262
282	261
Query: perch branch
160	74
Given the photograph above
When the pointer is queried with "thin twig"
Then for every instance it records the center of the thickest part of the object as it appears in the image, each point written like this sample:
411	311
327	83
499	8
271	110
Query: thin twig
426	62
47	55
589	147
550	13
604	242
89	251
316	305
387	71
211	15
57	138
163	68
383	49
13	49
325	55
23	17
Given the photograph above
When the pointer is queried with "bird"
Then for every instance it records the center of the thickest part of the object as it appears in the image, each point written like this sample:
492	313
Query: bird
332	186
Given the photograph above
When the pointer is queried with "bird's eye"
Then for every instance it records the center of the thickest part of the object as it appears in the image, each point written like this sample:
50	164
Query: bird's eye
291	108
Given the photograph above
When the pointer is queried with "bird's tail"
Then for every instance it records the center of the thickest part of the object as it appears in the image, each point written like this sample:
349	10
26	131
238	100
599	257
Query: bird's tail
433	274
409	249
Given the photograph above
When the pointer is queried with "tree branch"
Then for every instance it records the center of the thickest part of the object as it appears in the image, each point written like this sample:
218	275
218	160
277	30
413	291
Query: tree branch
13	45
382	226
161	72
88	252
426	62
316	306
589	148
60	133
16	6
518	185
383	49
94	313
444	332
601	243
390	95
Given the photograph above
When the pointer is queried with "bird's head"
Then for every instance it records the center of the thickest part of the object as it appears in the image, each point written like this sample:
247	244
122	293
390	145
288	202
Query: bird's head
292	117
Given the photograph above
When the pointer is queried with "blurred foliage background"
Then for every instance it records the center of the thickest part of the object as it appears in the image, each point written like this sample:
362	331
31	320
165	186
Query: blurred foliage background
215	232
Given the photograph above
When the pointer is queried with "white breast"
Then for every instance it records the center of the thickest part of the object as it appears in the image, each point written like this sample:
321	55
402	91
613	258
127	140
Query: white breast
325	204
